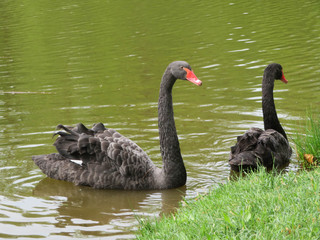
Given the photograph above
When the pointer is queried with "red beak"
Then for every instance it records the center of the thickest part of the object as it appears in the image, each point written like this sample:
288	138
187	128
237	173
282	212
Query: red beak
283	79
191	77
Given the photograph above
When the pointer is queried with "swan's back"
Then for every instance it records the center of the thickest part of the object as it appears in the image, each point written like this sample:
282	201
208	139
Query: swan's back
109	160
257	147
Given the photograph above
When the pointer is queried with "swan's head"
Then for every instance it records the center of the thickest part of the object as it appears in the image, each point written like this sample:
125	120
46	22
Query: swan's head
182	70
276	69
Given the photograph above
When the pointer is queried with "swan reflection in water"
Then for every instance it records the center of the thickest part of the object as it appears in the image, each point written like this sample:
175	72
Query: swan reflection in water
100	207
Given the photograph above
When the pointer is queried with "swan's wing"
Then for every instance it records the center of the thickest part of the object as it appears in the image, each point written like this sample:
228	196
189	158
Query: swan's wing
260	147
74	141
242	155
97	144
109	160
244	160
246	142
273	149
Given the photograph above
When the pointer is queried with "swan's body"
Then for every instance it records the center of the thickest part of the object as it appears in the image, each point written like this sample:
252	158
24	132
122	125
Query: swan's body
112	161
269	148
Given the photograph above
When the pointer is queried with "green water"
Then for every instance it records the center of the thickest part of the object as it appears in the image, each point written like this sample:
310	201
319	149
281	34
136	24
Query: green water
102	61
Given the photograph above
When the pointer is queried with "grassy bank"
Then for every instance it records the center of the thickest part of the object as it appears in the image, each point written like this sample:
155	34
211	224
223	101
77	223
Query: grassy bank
259	206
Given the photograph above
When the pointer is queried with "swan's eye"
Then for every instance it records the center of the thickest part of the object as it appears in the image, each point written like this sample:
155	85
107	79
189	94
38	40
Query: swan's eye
181	67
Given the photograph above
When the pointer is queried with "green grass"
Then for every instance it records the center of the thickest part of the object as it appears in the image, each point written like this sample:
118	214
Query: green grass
307	141
260	206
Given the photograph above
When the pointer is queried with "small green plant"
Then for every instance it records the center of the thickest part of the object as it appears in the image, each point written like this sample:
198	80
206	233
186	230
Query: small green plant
307	140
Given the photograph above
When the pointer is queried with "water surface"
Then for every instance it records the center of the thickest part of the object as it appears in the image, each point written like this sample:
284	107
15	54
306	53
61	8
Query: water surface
102	61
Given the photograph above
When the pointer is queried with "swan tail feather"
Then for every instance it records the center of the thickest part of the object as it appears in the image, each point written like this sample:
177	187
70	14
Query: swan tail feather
58	167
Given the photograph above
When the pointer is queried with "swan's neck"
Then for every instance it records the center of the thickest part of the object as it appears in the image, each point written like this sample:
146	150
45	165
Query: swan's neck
173	167
270	116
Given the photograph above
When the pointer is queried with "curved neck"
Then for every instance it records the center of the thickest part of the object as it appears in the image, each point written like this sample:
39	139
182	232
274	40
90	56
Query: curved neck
270	116
173	166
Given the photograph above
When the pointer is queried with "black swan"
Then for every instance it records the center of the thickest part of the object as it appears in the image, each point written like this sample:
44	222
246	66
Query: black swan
112	161
269	148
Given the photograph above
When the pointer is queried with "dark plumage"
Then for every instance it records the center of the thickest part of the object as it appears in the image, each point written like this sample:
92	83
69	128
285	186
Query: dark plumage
269	148
112	161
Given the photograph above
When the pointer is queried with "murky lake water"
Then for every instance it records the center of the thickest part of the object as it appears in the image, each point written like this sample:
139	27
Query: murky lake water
102	61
